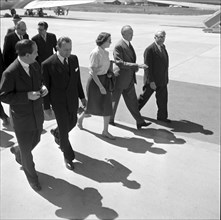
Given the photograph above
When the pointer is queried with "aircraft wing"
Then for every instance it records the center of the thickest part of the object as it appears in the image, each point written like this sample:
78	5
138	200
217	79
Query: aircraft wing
187	4
51	4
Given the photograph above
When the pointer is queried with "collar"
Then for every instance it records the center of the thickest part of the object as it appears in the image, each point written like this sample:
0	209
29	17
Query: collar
17	34
25	65
61	58
126	41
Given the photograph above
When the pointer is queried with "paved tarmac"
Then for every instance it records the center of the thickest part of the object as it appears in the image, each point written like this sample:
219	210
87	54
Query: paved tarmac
161	172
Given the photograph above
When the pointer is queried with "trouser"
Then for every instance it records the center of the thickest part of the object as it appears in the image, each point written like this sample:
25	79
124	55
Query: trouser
27	140
2	112
161	99
66	122
130	99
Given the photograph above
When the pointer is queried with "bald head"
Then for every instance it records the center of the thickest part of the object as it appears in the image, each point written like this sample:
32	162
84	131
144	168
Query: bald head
127	32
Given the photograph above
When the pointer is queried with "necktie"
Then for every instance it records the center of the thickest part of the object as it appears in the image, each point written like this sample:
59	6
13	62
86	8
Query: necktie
66	64
21	37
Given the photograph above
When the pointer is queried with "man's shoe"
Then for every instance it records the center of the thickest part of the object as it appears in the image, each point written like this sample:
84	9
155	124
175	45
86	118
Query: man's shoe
35	186
56	136
69	164
143	124
164	120
6	121
17	155
112	123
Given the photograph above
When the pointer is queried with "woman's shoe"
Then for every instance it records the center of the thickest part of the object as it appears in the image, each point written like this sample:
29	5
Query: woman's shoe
108	135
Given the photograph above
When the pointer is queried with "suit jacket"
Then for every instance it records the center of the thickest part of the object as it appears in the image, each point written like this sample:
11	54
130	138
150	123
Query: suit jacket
158	63
27	115
9	53
125	59
10	30
64	88
45	48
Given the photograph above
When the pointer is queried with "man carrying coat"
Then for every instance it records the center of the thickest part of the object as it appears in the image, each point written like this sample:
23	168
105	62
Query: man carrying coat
61	74
21	87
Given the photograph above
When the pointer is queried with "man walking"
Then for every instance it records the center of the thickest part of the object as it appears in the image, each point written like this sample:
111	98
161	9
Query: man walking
21	87
156	76
61	74
125	59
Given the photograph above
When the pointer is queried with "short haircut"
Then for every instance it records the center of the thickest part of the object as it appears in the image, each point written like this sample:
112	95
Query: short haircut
44	24
158	32
17	26
63	39
102	38
125	28
25	46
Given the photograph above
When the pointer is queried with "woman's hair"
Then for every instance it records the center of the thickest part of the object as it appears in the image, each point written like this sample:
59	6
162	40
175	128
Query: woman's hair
102	38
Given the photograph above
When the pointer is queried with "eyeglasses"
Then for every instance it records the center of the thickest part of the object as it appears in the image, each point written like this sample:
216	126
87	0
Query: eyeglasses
161	36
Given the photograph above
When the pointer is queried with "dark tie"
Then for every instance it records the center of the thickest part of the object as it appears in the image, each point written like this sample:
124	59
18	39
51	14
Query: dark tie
66	64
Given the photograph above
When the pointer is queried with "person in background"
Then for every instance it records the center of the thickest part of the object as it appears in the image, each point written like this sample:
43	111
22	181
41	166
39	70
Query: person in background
3	115
9	52
61	73
45	41
125	59
99	98
16	19
156	76
21	87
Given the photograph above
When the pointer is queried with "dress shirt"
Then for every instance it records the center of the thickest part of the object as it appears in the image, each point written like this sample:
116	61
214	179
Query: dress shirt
159	47
62	58
126	41
24	65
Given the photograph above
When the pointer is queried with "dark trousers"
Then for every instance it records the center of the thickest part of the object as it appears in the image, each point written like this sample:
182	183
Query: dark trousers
66	122
27	140
130	99
161	99
2	112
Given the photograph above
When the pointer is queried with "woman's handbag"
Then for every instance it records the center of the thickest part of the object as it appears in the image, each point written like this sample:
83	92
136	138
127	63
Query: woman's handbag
111	78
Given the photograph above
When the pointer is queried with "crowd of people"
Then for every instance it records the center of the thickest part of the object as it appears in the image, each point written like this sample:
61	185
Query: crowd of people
40	76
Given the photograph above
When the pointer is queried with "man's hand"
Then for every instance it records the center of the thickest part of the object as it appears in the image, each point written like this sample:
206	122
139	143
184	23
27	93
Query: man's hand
84	102
34	95
153	86
43	91
103	91
143	66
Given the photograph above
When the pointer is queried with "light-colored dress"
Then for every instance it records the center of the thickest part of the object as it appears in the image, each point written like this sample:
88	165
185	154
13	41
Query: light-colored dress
98	104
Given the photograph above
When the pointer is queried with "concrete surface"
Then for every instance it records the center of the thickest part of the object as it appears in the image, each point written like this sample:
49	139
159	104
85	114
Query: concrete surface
161	172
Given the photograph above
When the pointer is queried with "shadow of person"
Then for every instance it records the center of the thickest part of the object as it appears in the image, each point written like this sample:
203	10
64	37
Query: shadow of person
159	136
73	202
100	171
132	144
184	126
5	139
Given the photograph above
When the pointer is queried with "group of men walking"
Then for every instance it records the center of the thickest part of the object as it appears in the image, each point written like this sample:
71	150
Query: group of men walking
43	72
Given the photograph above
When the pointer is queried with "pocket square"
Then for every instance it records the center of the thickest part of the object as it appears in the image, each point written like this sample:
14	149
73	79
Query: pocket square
76	69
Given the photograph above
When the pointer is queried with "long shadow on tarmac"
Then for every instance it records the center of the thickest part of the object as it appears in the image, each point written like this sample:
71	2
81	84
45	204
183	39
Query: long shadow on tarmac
133	144
73	202
184	126
159	136
5	139
109	171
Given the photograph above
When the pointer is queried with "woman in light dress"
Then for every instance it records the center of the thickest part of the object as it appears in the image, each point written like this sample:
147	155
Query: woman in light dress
99	98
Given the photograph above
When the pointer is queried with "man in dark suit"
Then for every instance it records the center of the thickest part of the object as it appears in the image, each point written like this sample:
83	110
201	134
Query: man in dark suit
45	41
3	115
156	76
9	52
125	59
61	74
21	87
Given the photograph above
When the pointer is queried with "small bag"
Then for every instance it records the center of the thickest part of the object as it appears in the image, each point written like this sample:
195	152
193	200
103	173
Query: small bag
111	78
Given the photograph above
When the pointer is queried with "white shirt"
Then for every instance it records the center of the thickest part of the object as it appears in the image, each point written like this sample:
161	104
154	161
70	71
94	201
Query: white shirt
24	65
99	60
61	58
126	41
